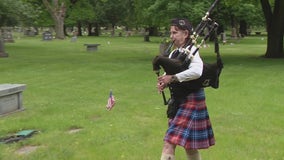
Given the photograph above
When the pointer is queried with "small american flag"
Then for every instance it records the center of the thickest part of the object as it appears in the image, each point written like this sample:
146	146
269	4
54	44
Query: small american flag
110	101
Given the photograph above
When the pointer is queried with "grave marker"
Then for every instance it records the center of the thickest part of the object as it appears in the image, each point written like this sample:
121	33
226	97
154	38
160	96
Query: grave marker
2	49
11	98
47	36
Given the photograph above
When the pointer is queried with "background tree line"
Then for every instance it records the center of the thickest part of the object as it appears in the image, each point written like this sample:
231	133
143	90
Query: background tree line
237	16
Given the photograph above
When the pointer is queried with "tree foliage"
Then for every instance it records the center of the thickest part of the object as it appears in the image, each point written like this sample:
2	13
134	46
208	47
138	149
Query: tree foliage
160	12
147	14
80	11
16	12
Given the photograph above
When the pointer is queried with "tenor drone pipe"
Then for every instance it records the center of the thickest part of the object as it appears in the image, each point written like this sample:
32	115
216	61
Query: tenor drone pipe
201	26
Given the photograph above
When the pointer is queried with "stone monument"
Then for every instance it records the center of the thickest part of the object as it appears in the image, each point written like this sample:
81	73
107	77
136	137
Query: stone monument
47	36
8	37
2	49
11	98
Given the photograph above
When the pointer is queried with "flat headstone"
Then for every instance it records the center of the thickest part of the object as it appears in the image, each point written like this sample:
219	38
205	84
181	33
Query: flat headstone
92	47
11	98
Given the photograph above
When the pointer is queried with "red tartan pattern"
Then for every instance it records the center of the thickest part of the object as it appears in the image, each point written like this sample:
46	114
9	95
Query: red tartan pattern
191	127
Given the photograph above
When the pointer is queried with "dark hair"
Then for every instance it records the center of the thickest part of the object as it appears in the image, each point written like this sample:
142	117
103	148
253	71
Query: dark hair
182	24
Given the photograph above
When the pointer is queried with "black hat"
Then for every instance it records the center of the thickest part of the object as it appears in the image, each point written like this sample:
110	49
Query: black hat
182	23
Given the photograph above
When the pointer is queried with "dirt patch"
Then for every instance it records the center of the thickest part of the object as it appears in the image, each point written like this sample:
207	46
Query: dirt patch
74	130
96	117
27	150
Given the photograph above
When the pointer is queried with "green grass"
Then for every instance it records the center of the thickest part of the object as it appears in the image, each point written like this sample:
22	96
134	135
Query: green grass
68	87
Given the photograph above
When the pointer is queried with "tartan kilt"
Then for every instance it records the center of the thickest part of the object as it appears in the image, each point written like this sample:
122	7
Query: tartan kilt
191	127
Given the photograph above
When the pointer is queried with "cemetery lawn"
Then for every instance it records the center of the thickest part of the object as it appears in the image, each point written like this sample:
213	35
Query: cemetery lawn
68	87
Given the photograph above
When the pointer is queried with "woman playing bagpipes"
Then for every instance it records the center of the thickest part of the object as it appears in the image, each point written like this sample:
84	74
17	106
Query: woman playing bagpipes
189	124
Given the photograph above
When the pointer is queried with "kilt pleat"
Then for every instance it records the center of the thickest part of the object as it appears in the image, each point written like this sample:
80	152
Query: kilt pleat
191	127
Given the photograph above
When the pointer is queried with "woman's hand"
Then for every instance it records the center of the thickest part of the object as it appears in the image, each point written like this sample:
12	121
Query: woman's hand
163	82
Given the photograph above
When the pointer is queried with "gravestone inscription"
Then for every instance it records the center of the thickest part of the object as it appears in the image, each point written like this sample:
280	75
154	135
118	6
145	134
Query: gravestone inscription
47	36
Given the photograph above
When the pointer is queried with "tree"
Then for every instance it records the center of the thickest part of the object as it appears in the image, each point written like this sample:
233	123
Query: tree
248	14
80	13
241	14
112	12
57	10
159	13
38	15
274	17
9	16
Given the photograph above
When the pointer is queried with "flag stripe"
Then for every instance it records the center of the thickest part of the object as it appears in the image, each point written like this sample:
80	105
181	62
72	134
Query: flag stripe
110	102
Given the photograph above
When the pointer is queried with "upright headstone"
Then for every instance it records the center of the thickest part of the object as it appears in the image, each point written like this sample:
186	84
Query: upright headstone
146	37
8	37
234	33
2	49
29	33
223	38
47	36
74	37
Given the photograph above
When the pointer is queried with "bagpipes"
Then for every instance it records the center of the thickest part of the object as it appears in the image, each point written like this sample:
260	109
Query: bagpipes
211	72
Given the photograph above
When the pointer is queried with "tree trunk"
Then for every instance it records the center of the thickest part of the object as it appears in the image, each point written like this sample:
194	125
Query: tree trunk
153	31
79	31
112	29
243	28
65	31
97	29
93	31
275	24
59	29
274	42
89	28
57	13
234	25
